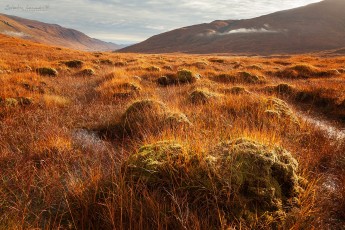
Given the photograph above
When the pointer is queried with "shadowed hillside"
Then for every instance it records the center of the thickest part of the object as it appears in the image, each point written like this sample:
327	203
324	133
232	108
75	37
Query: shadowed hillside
315	27
51	34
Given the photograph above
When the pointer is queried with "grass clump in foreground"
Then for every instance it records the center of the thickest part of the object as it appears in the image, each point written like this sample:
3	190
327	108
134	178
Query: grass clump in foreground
244	180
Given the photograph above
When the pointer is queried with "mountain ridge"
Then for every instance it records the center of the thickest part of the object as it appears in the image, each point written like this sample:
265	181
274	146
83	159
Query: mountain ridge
312	28
51	34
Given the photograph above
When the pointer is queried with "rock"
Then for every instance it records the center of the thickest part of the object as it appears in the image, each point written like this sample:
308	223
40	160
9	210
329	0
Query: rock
47	71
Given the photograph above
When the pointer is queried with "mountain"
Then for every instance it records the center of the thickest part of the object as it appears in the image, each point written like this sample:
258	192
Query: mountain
51	34
315	27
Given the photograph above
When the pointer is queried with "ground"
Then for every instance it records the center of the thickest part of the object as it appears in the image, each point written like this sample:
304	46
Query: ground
66	144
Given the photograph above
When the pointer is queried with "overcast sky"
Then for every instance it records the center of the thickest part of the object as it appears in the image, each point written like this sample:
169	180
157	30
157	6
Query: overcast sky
131	21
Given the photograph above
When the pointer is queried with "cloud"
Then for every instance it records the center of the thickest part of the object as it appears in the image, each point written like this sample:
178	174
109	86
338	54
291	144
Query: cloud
138	19
255	30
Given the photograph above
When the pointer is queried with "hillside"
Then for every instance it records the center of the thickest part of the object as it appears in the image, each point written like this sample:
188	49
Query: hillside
314	27
51	34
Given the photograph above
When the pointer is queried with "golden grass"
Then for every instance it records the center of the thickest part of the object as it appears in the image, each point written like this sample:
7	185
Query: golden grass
56	172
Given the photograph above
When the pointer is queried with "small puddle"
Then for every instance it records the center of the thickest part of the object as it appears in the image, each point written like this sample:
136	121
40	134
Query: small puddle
88	140
328	128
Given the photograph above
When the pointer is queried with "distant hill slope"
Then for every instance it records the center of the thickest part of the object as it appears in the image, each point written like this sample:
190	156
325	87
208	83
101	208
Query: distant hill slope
51	34
315	27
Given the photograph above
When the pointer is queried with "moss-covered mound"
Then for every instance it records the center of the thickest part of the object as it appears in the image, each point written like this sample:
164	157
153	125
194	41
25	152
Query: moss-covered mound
301	71
243	179
74	64
155	164
181	77
87	72
176	120
250	78
47	71
236	90
225	78
13	102
263	181
200	96
144	115
279	109
153	69
150	116
283	89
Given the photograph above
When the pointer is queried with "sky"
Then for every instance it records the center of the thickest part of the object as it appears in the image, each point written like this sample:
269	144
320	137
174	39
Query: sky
132	21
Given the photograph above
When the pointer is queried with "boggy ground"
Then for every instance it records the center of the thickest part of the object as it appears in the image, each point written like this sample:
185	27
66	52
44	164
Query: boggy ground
131	141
